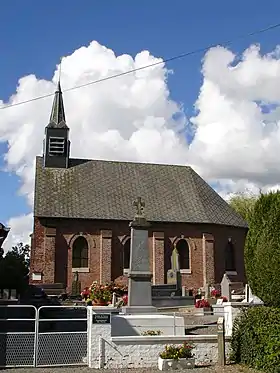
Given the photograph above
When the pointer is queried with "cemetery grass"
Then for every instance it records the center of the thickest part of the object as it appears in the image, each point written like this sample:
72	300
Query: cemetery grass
211	369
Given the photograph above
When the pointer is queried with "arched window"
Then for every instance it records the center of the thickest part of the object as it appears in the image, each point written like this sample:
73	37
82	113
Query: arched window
230	257
126	254
184	254
80	253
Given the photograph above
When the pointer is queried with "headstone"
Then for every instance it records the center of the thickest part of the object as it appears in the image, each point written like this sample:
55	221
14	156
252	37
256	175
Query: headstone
250	297
6	294
225	287
139	274
13	294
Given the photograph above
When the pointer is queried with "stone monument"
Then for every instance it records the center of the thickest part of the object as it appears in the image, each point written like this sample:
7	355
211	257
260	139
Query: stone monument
76	285
139	274
173	274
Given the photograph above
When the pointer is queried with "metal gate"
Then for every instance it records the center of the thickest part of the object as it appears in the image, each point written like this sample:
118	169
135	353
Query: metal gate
61	336
17	335
49	336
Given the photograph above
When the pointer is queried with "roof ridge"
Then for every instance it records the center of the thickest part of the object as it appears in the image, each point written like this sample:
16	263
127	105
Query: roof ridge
128	162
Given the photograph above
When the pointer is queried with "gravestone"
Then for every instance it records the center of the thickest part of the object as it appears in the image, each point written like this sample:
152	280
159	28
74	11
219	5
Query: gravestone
250	297
139	274
230	285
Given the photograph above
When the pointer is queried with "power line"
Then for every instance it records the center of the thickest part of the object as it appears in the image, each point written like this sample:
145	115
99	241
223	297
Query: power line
196	51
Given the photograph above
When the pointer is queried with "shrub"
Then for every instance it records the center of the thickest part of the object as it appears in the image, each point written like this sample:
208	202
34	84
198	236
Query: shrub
256	339
262	249
152	332
183	351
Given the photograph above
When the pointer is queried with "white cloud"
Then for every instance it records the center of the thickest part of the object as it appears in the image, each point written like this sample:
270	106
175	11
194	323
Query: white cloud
235	141
20	230
127	118
132	118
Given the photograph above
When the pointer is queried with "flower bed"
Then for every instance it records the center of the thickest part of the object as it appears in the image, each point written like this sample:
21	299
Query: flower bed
101	295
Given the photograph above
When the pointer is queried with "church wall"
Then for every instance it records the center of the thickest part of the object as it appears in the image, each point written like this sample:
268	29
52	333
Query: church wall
108	236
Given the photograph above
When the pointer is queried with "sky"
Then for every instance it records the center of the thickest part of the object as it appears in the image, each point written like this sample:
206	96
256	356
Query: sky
217	110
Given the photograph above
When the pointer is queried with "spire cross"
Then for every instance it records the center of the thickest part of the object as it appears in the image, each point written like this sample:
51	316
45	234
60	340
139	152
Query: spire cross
139	204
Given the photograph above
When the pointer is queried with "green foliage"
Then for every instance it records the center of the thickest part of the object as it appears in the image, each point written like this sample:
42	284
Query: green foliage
256	339
262	249
244	204
152	332
14	268
183	351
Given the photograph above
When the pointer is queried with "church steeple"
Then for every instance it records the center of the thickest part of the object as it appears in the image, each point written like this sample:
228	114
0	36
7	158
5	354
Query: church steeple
56	143
57	117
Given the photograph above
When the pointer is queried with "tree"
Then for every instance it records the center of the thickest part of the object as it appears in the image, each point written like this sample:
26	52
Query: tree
14	268
262	249
244	204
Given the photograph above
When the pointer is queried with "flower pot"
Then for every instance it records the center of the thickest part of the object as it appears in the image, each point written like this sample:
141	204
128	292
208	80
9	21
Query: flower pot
206	311
99	303
186	363
167	364
172	364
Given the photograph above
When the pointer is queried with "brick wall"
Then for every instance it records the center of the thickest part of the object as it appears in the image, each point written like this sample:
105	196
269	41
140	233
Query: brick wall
161	238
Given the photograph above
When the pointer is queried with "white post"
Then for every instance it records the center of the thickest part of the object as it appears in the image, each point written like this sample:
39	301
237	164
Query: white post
99	330
114	300
174	323
101	353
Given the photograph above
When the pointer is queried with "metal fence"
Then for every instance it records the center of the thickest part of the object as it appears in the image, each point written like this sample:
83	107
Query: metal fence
17	335
49	336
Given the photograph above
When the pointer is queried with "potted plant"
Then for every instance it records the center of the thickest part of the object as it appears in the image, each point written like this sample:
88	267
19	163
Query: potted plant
122	301
97	294
176	357
215	293
203	306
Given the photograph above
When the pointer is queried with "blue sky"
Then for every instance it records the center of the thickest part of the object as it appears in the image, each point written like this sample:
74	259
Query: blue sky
35	34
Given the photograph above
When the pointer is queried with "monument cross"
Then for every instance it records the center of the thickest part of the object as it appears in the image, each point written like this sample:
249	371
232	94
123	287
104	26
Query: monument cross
139	204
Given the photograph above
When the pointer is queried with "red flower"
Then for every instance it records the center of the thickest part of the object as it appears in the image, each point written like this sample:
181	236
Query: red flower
202	303
125	299
215	293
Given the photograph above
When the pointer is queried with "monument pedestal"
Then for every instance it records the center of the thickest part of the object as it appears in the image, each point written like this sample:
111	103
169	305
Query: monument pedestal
139	274
138	310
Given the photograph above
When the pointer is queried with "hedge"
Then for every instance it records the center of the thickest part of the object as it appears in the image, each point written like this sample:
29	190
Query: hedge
262	249
256	339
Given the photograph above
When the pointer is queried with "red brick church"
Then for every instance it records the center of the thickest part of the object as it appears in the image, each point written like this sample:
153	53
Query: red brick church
83	207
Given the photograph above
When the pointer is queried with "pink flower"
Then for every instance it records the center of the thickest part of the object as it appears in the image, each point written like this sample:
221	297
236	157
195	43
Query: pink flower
125	299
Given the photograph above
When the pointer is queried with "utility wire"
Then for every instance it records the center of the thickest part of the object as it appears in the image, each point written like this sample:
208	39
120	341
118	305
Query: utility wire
196	51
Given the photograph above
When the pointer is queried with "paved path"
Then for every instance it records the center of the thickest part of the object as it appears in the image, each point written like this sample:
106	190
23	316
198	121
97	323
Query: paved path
227	369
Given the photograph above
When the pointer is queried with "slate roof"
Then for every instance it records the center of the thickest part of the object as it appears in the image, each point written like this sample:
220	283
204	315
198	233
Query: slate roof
94	189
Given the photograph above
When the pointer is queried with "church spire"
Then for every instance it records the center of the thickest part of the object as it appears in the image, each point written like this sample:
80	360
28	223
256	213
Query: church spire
57	118
56	143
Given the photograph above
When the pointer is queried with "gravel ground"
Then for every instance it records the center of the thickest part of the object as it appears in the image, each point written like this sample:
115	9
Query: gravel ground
212	369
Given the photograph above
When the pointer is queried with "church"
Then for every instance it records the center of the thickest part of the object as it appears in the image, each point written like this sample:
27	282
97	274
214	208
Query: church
83	207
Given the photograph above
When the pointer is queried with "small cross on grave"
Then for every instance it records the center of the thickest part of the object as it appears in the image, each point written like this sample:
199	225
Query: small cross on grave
139	204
